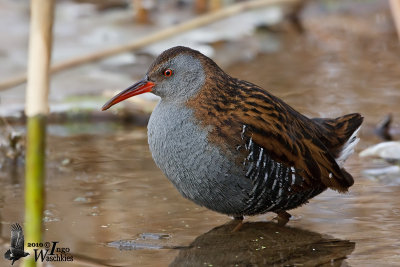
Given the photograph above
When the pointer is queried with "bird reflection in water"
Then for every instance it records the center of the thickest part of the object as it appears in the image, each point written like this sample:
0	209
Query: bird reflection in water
255	244
263	244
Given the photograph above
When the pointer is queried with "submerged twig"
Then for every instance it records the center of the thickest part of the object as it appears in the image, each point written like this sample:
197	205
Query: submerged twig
382	129
13	145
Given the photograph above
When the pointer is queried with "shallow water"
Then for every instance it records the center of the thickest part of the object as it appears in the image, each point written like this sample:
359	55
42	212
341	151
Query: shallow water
109	203
104	188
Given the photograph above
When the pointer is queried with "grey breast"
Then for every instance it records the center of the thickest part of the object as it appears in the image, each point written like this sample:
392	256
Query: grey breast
197	168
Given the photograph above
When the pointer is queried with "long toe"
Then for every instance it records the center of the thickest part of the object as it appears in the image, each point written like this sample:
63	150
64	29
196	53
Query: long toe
239	221
236	223
282	218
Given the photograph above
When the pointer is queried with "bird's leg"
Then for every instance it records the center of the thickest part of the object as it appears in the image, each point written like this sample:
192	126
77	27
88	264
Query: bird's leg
282	217
239	225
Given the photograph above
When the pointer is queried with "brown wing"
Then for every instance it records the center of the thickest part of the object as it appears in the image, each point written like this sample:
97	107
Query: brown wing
287	136
297	146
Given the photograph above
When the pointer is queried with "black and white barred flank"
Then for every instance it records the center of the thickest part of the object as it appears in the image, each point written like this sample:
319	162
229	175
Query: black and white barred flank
273	182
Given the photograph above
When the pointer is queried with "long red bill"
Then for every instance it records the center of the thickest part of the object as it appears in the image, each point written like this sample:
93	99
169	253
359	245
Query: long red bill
138	88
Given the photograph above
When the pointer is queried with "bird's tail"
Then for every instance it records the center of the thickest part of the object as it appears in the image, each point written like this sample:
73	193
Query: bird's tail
340	135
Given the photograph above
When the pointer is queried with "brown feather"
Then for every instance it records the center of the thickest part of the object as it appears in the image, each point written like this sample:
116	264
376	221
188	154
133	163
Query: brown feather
308	145
335	132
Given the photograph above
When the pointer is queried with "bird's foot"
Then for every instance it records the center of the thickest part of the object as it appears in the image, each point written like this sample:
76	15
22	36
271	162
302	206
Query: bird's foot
239	221
282	218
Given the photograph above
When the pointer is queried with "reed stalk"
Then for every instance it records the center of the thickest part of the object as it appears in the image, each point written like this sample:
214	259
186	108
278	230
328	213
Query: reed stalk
36	109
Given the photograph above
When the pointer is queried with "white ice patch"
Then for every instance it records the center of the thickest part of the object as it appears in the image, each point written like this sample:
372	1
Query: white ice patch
385	150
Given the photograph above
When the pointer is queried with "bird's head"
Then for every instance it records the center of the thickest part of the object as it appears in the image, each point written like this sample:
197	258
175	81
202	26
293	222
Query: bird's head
177	74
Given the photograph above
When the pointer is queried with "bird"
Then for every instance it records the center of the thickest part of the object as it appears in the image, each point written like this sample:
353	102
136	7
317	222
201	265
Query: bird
233	147
16	250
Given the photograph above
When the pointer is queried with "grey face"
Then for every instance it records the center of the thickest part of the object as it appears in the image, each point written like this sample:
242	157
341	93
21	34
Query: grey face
177	79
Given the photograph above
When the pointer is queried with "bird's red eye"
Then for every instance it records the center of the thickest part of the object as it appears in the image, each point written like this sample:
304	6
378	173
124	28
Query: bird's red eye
168	73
